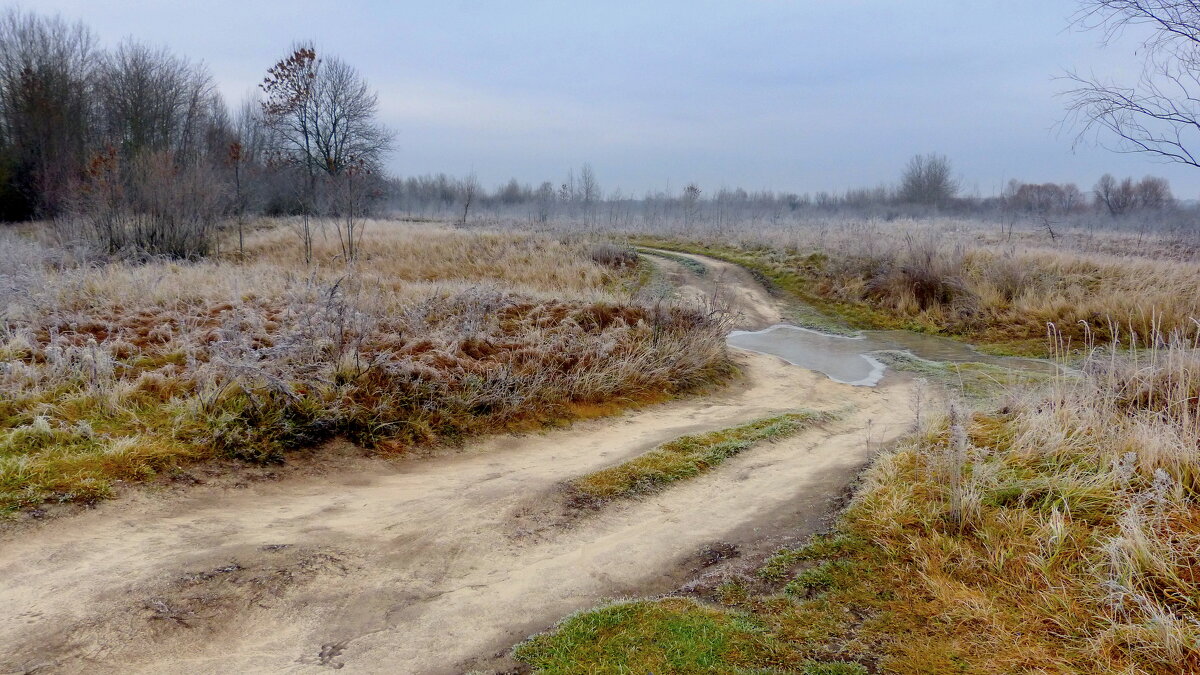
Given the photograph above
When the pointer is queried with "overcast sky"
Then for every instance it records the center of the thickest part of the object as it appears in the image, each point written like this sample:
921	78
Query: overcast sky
800	96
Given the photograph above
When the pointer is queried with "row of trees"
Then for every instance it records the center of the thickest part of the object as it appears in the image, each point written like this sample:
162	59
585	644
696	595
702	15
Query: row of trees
926	185
63	101
444	194
133	147
1116	198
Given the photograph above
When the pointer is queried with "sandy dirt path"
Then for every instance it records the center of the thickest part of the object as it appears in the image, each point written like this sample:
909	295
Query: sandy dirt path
732	287
421	566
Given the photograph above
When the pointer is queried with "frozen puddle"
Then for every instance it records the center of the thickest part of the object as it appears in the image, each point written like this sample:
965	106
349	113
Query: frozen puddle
848	359
842	359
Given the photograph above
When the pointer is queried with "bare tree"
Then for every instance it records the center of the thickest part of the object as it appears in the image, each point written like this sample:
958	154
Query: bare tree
1160	113
691	203
1116	197
928	179
47	71
468	190
346	132
355	189
153	101
1119	198
589	187
237	161
545	198
323	113
289	108
1153	194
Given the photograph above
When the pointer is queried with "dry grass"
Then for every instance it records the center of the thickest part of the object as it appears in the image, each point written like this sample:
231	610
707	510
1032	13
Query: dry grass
118	371
1055	533
1059	533
957	279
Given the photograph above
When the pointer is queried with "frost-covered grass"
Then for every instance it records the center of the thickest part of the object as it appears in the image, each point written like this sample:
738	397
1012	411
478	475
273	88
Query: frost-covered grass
117	370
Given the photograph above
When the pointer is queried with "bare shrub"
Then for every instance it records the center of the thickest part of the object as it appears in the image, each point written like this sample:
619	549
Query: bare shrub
614	256
151	206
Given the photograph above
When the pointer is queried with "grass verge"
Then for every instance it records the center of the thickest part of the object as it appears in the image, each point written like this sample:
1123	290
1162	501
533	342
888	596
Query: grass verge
1054	533
687	457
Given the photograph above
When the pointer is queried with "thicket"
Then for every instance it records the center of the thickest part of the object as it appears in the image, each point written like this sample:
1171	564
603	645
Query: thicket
132	149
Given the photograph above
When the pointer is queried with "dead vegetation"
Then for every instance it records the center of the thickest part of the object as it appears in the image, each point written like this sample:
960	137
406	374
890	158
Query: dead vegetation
956	279
1054	531
115	371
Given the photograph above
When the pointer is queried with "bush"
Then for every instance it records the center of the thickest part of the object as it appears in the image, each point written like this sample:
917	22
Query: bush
153	206
614	256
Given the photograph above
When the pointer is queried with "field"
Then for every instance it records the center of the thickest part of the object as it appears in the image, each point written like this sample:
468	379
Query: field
123	371
964	279
532	339
1050	526
487	402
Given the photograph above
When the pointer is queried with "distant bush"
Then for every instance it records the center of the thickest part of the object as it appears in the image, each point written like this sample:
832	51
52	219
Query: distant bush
614	256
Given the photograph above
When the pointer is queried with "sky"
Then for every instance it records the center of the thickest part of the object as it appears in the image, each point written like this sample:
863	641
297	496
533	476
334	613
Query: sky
800	96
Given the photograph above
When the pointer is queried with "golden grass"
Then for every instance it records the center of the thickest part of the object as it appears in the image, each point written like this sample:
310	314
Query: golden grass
1002	297
118	371
401	254
1056	533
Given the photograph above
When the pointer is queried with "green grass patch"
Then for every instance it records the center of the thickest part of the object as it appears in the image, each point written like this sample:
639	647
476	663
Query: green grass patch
823	576
780	565
689	456
674	635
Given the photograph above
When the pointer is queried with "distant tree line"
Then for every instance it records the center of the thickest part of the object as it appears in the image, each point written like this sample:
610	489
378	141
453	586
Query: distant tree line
133	148
926	186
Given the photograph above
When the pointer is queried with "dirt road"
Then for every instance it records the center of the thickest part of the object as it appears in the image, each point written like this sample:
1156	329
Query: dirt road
421	566
729	285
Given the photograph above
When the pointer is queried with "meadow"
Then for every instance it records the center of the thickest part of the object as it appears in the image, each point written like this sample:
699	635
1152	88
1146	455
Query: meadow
1029	524
1050	526
995	286
121	370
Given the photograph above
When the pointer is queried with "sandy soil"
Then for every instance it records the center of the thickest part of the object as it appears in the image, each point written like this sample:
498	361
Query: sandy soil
421	566
727	285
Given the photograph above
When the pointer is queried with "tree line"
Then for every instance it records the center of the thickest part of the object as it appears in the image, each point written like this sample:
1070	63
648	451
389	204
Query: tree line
133	148
927	186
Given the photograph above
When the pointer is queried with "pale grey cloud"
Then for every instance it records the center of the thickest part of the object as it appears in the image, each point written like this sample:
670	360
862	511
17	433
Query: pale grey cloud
805	95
